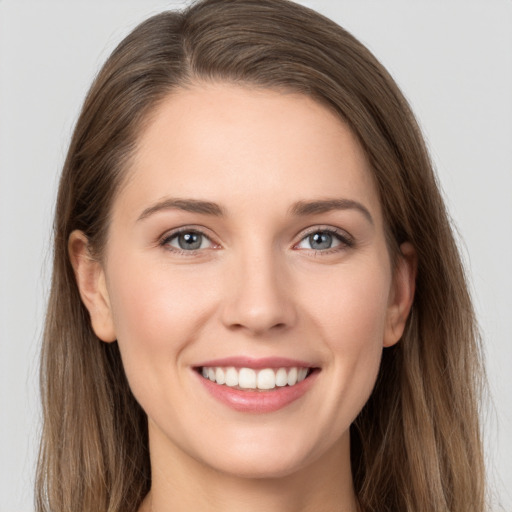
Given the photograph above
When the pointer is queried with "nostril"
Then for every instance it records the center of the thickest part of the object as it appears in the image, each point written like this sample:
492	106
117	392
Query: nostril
258	302
258	328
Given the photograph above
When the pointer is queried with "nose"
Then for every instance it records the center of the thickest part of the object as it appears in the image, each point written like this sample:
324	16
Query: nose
260	296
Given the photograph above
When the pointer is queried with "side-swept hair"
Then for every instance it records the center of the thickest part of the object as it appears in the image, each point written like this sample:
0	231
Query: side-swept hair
416	446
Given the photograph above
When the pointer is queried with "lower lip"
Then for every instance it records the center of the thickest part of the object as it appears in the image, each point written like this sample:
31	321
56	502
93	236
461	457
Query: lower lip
255	401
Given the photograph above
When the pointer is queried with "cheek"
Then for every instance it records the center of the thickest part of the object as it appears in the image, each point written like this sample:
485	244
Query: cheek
353	303
351	315
157	312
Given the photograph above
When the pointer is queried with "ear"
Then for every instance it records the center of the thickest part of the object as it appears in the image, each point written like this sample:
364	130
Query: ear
90	278
401	295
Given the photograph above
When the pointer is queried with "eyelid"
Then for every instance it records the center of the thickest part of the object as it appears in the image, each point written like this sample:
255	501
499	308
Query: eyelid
346	239
164	239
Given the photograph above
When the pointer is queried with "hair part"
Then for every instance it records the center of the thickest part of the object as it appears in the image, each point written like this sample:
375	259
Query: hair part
416	445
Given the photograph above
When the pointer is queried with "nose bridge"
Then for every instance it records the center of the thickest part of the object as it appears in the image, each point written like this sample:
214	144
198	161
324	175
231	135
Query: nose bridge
259	299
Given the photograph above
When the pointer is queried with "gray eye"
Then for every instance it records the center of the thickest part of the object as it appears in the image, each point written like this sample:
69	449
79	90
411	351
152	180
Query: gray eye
188	241
320	240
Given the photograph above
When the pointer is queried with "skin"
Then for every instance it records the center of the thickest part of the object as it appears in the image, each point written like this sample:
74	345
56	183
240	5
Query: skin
256	287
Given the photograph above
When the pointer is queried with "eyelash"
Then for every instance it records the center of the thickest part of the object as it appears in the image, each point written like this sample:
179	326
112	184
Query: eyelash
344	239
168	237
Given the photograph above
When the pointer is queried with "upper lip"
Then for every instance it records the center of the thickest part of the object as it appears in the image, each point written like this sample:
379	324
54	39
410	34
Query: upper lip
256	363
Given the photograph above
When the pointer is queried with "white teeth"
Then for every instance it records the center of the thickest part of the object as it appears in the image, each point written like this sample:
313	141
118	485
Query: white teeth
248	378
281	377
292	377
220	376
266	379
231	377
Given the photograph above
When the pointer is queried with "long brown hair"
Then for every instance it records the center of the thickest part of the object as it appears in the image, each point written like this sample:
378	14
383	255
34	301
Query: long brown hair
416	445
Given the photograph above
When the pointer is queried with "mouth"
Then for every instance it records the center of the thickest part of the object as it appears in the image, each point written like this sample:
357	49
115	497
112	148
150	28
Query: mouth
256	385
256	379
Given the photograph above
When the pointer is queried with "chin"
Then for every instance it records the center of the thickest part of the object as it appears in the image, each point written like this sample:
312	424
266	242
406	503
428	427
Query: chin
260	467
273	456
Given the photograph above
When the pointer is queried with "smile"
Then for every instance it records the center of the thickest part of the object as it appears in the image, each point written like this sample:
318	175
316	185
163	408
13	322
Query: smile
256	386
261	379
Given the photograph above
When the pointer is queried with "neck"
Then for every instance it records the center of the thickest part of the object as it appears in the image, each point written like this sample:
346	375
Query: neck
181	483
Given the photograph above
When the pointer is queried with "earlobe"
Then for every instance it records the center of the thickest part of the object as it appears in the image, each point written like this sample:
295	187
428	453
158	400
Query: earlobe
90	278
402	294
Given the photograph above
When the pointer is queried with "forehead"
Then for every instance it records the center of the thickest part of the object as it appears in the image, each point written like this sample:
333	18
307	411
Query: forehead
225	142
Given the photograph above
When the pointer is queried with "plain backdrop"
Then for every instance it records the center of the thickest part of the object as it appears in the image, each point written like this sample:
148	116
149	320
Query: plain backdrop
453	60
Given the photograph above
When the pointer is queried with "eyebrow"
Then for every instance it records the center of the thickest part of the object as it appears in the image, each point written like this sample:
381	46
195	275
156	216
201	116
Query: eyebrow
188	205
302	208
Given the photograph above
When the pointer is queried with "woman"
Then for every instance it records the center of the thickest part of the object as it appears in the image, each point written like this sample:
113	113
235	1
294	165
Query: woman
256	296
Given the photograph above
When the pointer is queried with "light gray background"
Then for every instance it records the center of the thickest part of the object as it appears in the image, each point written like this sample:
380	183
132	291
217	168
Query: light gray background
453	60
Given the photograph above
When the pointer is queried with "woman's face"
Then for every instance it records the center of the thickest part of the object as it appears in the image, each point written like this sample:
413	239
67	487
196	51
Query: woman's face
247	244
